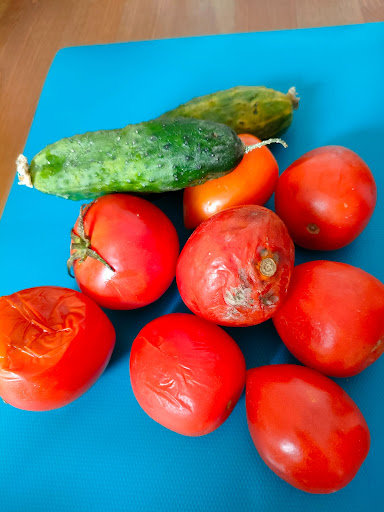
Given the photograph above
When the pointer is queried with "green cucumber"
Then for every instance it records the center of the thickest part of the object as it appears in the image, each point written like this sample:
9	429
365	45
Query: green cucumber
257	110
155	156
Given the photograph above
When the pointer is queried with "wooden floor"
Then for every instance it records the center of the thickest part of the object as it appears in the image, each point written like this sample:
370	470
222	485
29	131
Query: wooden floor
31	32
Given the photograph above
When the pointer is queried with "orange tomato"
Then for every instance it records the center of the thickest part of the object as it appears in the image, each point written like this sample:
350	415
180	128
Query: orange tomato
253	181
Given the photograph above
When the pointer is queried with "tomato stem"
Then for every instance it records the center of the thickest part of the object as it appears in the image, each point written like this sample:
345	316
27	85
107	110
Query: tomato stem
81	244
268	267
248	149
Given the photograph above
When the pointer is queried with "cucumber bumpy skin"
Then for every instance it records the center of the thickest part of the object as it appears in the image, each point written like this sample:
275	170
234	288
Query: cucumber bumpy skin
155	156
257	110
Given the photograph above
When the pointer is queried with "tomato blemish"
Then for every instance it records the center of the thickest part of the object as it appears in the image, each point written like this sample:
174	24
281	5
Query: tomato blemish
313	229
239	296
377	345
269	299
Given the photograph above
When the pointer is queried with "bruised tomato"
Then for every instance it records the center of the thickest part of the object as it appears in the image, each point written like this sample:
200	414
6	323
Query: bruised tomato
186	373
333	317
251	182
124	251
305	427
235	268
54	344
326	198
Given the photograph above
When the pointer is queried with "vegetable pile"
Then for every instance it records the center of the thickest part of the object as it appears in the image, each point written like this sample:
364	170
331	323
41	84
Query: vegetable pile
236	269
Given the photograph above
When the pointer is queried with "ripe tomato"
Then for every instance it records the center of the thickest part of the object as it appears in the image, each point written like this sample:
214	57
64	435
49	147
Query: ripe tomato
305	427
235	268
54	344
333	317
326	198
139	246
186	373
253	181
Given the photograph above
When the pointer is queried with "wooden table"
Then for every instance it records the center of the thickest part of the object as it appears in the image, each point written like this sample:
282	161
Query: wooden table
31	32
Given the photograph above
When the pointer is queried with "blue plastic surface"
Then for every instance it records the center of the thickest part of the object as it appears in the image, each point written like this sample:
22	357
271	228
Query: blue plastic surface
102	453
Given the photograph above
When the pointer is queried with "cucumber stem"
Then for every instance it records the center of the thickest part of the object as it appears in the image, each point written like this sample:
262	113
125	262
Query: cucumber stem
292	94
248	149
23	173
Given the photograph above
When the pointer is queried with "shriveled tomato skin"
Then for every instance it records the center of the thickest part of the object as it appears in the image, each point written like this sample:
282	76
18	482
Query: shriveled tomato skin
333	317
326	198
305	427
186	373
54	344
235	268
138	241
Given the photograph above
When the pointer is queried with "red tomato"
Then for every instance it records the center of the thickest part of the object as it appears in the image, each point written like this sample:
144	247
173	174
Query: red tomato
137	240
333	318
326	198
236	266
253	181
54	344
305	427
186	373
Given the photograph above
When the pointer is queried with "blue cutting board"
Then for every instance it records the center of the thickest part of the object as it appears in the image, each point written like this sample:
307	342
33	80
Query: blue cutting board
102	453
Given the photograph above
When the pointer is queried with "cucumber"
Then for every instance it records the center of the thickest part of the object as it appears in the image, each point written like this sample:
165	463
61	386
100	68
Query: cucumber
257	110
155	156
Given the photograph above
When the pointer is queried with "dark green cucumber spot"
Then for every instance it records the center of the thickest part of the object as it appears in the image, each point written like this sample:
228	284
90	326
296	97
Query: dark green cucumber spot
55	165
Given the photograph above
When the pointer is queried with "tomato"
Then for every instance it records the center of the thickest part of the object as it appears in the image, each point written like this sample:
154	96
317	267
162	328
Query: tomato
305	427
54	344
333	318
326	198
186	373
139	248
235	268
253	181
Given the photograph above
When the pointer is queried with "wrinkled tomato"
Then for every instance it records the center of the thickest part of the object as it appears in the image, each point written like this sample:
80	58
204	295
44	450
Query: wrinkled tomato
251	182
235	268
186	373
333	317
326	198
54	344
305	427
126	251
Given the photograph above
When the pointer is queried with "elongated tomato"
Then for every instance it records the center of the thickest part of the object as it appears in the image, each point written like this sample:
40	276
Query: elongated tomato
186	373
305	427
333	317
124	251
54	344
253	181
326	198
235	268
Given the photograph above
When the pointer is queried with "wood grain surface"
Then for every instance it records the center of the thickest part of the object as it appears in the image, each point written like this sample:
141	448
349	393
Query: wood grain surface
32	31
